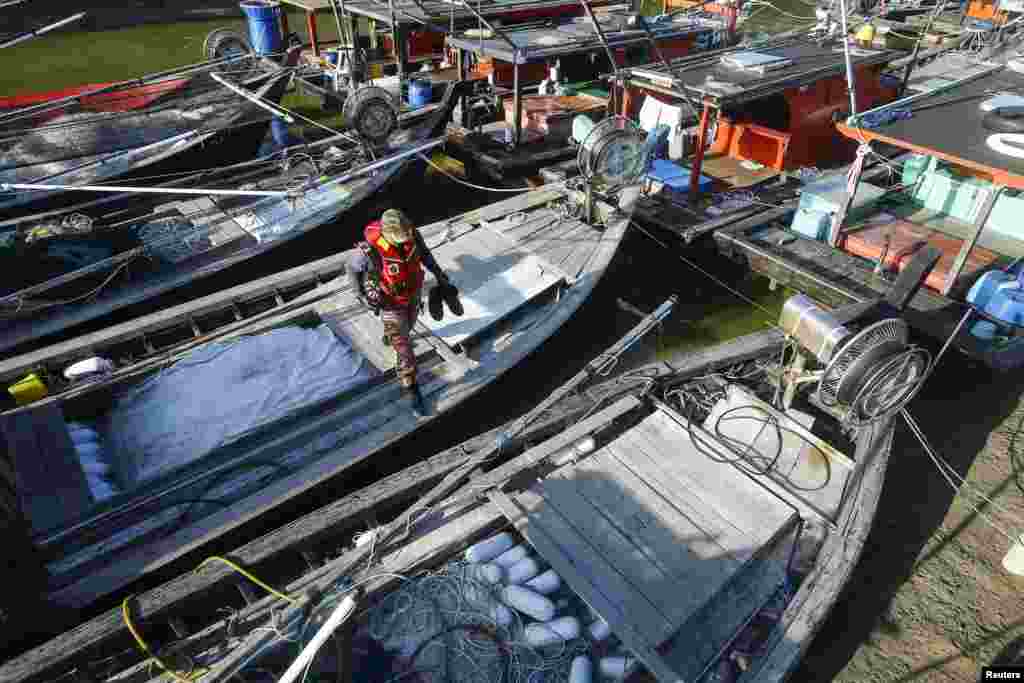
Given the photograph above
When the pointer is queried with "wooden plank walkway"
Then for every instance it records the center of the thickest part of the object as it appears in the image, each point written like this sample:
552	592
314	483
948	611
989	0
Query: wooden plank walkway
648	513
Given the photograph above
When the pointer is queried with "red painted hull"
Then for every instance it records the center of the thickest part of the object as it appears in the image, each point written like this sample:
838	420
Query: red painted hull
117	101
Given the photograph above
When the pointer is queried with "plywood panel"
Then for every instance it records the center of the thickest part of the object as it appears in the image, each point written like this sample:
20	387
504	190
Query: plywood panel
745	503
674	532
618	527
608	605
590	562
494	300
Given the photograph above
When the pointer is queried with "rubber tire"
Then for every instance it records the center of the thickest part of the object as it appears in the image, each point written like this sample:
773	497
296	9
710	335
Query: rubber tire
216	39
372	106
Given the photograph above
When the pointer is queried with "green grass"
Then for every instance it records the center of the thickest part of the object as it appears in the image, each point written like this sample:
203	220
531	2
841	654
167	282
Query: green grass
67	59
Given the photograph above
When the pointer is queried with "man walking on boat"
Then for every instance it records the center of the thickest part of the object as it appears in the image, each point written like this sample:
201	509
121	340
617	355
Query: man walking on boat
388	273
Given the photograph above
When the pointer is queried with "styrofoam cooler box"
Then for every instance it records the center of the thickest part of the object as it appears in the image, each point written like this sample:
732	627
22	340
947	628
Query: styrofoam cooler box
665	176
821	200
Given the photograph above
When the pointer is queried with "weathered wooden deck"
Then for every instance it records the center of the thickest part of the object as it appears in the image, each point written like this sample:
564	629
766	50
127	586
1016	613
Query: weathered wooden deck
650	512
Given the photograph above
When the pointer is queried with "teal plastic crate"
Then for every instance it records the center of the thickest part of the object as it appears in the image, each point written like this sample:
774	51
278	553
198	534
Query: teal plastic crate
820	200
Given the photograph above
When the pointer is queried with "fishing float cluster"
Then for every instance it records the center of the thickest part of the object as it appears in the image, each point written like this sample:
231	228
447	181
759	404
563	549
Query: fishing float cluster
521	585
497	614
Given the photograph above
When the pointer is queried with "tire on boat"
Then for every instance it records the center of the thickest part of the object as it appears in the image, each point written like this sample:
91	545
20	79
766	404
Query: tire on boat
223	43
372	112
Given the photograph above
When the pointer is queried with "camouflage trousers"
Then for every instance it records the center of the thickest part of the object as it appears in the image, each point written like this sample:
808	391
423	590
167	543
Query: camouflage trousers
398	326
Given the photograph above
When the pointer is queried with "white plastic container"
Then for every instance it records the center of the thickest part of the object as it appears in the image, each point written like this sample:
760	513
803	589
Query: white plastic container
599	630
523	570
511	556
490	548
528	602
616	668
545	583
553	632
581	670
87	367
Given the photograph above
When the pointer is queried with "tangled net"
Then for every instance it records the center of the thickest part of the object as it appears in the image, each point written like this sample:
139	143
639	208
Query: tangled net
443	629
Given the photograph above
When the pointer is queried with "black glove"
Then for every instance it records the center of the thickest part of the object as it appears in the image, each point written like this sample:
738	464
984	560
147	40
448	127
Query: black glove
364	298
442	279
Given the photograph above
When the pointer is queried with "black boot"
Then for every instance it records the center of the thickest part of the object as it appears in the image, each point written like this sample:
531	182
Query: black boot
416	402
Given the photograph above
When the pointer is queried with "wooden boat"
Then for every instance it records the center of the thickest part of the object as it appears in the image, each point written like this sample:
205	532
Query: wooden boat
955	193
532	131
168	244
85	136
739	133
625	489
524	266
109	100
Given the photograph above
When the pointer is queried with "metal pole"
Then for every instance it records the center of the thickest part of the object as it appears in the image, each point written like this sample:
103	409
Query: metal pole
142	190
29	35
252	97
395	47
939	4
604	40
850	85
856	171
517	100
460	57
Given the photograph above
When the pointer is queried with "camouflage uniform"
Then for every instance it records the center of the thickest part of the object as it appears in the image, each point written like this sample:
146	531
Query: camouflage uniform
389	274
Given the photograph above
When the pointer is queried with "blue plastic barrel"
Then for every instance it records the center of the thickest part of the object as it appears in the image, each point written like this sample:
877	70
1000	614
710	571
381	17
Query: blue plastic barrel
332	56
264	17
420	92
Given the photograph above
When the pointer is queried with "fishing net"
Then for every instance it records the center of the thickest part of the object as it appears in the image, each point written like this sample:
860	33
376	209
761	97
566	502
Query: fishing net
433	628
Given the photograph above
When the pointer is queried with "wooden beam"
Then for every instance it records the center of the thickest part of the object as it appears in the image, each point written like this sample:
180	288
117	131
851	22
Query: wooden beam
965	250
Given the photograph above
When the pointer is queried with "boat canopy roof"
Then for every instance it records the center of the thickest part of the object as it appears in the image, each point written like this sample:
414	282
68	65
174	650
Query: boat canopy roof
946	122
750	73
575	36
413	13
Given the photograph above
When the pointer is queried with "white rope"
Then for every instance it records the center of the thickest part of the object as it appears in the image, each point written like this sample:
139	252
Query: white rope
463	182
945	469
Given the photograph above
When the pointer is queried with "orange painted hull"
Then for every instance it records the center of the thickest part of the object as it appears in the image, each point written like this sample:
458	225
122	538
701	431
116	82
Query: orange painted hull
869	243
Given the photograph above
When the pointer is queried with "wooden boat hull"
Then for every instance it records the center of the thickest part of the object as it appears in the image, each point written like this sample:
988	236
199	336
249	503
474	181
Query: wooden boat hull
137	132
359	426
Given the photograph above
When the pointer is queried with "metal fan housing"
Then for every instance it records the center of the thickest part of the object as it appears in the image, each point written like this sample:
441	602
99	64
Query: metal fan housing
612	153
875	373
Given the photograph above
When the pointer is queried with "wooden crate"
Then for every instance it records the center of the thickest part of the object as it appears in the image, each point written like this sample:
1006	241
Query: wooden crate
528	73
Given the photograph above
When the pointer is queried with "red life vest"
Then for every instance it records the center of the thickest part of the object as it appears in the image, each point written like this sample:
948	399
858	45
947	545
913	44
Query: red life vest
399	267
